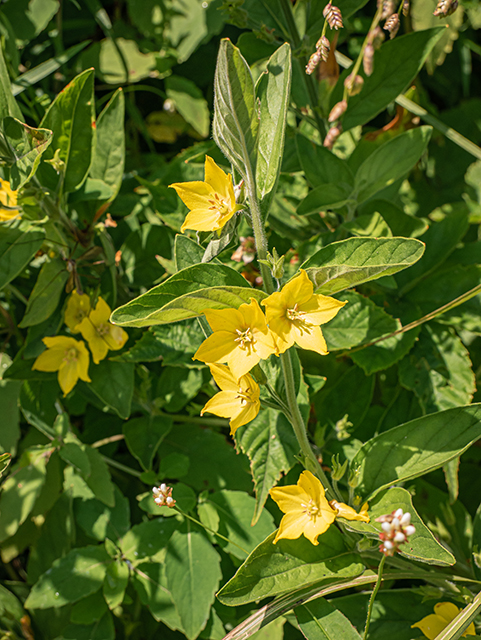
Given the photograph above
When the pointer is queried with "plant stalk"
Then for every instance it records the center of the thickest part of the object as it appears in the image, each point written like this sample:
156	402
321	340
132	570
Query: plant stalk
373	596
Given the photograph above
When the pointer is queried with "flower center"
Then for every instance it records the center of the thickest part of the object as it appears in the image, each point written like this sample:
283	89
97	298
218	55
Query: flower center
102	329
245	338
219	205
298	317
243	396
311	509
71	355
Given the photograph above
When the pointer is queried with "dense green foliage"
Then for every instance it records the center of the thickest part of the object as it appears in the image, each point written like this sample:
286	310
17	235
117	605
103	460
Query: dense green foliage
103	105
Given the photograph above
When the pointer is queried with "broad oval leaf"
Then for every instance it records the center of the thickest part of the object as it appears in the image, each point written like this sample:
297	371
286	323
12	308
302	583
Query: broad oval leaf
351	262
272	569
322	166
17	247
390	162
415	448
186	294
46	293
422	546
327	196
25	148
320	620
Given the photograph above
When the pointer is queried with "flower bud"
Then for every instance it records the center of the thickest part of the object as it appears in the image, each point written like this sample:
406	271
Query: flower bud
368	59
395	531
163	496
333	16
337	111
338	469
392	25
354	84
445	8
313	62
406	7
323	46
388	8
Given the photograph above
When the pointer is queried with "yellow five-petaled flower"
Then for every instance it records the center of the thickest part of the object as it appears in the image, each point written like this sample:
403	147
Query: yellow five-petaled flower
307	510
78	308
67	356
237	400
8	198
295	313
211	203
444	613
101	334
241	338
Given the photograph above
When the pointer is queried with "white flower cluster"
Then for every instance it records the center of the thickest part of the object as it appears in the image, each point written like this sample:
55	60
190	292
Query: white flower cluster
163	496
396	528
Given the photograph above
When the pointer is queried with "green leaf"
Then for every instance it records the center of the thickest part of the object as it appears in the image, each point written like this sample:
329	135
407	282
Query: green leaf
151	584
73	453
415	448
235	115
108	160
99	479
24	148
71	578
272	569
327	196
273	91
189	102
100	521
438	370
10	431
422	546
143	437
102	629
390	162
88	610
115	583
187	294
322	167
395	66
235	510
21	490
192	569
8	104
320	620
5	459
113	384
147	539
186	252
71	118
18	245
46	293
350	262
370	225
270	444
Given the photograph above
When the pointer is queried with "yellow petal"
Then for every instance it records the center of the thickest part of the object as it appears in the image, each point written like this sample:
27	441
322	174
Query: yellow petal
216	348
431	626
78	308
315	527
116	337
68	376
311	485
298	291
195	195
290	499
223	377
225	319
101	313
241	361
97	344
292	526
310	338
225	404
247	414
64	342
49	360
446	611
320	309
348	513
202	220
216	178
83	363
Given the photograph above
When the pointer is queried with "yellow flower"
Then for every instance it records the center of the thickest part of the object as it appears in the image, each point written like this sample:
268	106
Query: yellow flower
295	313
8	197
78	308
100	333
444	613
307	510
240	339
211	203
237	400
67	356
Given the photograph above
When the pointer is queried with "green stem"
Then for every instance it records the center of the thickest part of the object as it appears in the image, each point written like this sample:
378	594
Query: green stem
373	596
461	622
216	533
122	467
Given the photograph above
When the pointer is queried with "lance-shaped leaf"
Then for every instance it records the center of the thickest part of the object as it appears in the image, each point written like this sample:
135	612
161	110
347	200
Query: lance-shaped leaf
22	148
421	546
46	293
8	104
272	569
320	620
235	117
273	91
351	262
415	448
186	294
17	247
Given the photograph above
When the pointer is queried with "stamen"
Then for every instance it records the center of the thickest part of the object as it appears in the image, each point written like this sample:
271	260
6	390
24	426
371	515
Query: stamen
245	338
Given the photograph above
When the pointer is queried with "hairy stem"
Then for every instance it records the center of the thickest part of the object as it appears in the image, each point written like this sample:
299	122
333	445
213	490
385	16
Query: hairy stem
373	596
215	533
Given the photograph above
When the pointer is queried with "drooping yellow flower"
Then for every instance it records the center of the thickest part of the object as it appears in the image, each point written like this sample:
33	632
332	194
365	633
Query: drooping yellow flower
444	613
78	308
100	334
295	313
307	510
237	400
211	203
241	338
67	356
8	197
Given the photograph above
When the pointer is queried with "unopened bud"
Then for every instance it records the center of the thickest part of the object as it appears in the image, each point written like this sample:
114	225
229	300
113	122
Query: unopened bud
392	25
368	59
354	84
313	62
405	7
445	8
338	469
333	16
395	531
388	8
337	110
323	46
409	530
354	474
275	262
163	496
377	37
